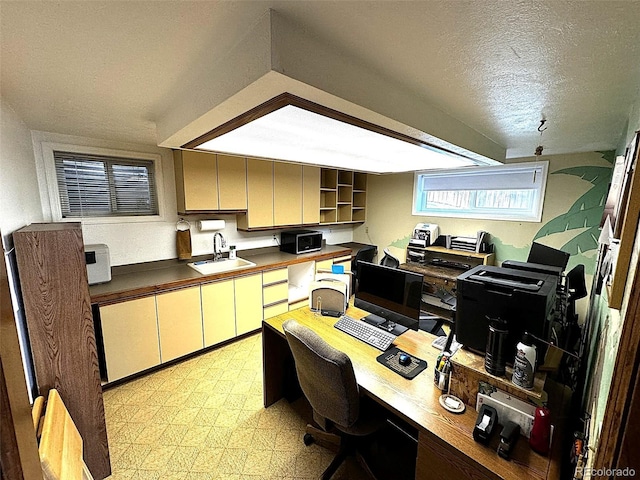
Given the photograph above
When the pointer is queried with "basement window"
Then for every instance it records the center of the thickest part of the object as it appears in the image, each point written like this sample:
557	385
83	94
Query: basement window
503	192
103	186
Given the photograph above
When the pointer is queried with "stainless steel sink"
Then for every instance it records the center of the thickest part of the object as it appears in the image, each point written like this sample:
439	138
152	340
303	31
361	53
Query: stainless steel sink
210	267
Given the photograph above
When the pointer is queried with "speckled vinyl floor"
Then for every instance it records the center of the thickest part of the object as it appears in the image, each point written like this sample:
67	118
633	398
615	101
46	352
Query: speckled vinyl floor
203	419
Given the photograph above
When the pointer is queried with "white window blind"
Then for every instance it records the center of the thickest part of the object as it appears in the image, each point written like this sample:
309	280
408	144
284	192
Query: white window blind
104	186
504	192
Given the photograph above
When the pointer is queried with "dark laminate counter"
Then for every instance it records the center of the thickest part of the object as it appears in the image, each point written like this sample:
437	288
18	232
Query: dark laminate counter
140	280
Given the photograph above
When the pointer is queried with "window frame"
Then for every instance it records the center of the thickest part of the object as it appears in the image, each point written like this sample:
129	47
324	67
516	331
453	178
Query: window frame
48	149
463	178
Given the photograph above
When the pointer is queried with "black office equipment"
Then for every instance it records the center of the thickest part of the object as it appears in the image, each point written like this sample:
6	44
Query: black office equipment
508	438
525	300
534	267
548	256
390	293
485	424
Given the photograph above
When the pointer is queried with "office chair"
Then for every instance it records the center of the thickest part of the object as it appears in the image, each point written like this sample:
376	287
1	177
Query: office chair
365	254
328	382
389	260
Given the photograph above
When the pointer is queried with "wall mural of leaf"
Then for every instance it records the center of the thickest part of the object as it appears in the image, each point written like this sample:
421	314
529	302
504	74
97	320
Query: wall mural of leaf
585	212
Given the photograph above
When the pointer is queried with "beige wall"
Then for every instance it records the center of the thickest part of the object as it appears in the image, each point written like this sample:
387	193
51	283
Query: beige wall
390	223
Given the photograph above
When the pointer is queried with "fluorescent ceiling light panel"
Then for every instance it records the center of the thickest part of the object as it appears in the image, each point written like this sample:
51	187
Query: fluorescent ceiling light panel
297	135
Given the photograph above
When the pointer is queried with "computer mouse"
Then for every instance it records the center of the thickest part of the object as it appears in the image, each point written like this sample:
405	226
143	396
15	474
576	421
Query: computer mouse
404	359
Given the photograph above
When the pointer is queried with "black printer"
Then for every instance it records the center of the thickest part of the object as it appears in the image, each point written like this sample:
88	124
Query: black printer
525	300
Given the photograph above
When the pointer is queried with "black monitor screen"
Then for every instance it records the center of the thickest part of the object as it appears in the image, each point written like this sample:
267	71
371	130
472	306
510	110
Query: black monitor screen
390	293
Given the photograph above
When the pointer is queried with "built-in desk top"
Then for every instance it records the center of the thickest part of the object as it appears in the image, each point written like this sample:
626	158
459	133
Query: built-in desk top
417	400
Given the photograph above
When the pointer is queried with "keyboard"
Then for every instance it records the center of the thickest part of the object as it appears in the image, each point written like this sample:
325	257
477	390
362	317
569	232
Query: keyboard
365	332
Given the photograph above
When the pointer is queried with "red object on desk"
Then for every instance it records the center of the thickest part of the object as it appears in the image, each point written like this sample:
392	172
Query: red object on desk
541	431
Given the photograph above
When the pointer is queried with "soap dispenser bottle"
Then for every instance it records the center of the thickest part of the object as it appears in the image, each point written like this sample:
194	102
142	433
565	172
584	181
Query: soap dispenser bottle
524	365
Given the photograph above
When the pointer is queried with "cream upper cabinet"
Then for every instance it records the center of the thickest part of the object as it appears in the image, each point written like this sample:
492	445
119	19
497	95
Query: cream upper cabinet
248	295
310	194
232	182
259	195
287	194
196	181
218	312
179	322
130	337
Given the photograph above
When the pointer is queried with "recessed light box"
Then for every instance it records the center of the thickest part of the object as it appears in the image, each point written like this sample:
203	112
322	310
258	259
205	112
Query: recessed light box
296	134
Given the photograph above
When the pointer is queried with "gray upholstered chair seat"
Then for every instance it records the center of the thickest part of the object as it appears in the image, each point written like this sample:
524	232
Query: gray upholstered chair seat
328	382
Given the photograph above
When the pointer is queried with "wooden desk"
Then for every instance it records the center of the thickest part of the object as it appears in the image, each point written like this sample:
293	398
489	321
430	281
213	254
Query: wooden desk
446	448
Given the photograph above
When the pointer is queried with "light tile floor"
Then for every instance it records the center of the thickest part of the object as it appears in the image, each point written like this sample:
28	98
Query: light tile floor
203	419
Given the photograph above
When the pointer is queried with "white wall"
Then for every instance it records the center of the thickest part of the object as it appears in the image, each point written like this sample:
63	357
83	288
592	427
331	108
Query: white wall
19	196
145	241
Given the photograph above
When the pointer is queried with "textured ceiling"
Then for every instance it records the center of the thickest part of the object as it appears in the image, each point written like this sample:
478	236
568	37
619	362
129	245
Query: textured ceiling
107	69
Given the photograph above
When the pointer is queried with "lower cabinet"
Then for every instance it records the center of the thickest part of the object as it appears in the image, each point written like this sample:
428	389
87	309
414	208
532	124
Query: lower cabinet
248	295
218	312
179	322
130	337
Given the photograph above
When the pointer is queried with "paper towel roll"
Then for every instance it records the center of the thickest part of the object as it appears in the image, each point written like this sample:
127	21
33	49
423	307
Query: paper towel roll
210	225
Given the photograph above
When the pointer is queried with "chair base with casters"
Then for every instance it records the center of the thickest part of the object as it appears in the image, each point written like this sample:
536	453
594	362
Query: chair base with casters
343	444
328	381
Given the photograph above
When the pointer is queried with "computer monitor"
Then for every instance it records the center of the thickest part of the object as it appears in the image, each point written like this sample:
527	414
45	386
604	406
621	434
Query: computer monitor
390	293
548	256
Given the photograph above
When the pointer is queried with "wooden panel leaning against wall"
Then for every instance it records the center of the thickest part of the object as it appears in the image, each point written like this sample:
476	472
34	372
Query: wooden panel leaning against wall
57	305
19	454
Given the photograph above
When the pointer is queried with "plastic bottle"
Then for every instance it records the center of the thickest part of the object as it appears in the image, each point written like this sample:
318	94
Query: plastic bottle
524	365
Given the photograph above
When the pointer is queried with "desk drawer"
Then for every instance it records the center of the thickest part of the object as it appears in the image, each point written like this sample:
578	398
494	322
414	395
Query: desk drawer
433	456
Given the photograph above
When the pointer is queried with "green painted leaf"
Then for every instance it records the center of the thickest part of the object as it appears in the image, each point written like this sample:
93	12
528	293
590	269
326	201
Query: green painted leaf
587	240
609	156
582	219
595	197
593	175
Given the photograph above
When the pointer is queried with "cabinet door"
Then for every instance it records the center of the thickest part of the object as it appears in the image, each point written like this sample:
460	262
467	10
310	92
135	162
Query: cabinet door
130	336
248	294
259	195
287	194
196	181
179	322
232	182
218	312
310	194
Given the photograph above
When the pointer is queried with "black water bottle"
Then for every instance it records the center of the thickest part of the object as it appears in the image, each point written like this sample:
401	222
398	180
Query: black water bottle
494	360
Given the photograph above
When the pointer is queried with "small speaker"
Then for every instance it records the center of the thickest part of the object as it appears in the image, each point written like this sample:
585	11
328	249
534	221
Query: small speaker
328	295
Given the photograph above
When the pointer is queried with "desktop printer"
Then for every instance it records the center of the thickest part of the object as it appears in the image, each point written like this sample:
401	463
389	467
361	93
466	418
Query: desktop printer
525	300
424	235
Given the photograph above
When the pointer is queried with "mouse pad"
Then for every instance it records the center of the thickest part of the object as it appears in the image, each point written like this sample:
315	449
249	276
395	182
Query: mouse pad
390	359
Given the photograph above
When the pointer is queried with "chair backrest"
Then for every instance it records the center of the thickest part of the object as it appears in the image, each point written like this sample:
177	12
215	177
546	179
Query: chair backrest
389	260
325	374
365	254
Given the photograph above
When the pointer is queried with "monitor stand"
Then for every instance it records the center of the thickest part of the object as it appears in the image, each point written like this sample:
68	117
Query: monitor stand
384	324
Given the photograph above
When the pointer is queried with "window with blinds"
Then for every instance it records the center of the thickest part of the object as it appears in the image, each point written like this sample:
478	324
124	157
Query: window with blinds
503	192
104	186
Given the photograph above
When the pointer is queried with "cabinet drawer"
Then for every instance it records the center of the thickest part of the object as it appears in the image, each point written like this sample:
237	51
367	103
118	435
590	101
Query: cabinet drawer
274	276
274	310
324	265
275	293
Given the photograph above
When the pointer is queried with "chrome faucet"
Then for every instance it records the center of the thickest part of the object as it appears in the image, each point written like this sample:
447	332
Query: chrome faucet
218	245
